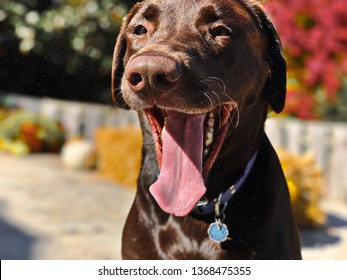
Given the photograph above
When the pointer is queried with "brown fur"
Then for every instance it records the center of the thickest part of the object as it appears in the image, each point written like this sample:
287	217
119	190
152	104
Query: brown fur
252	72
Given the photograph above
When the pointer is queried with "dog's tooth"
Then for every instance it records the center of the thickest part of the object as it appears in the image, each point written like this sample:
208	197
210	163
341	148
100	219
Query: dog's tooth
208	142
210	122
209	139
206	152
209	134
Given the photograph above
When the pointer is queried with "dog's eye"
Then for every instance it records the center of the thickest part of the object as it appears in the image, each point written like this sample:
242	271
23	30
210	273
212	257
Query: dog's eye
220	30
140	30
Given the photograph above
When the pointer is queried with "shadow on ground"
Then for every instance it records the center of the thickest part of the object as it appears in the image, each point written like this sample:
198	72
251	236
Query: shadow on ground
323	237
15	244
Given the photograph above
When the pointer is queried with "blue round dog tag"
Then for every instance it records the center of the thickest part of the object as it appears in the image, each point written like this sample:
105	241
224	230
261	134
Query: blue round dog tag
218	232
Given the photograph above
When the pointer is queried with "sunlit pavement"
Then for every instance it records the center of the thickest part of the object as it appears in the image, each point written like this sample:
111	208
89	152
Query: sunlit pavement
50	212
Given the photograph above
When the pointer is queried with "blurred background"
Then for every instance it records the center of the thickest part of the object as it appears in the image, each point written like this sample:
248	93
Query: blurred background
59	48
69	160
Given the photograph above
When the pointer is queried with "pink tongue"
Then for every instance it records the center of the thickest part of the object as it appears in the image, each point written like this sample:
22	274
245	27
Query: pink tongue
180	184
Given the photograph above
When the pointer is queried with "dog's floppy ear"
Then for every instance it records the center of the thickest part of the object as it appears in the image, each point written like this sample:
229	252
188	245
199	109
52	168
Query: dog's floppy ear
275	86
117	64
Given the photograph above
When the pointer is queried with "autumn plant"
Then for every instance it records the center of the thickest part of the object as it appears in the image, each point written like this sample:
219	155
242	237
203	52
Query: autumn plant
62	49
23	132
314	37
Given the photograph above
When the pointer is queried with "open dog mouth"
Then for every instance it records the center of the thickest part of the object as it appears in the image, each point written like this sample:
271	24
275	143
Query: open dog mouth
187	145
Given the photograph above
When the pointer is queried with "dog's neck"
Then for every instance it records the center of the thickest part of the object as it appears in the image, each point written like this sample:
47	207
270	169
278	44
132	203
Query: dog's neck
206	206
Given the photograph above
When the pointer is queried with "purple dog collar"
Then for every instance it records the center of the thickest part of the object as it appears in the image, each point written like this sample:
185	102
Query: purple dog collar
208	207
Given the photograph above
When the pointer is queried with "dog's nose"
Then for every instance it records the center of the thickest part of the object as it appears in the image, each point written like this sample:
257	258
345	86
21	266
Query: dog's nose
154	72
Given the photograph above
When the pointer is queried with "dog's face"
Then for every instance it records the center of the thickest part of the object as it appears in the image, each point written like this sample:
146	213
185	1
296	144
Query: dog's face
196	69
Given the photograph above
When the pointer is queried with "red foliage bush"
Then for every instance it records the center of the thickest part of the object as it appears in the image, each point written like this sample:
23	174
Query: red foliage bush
314	36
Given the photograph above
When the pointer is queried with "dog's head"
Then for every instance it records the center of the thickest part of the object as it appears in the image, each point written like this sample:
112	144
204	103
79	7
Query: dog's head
196	69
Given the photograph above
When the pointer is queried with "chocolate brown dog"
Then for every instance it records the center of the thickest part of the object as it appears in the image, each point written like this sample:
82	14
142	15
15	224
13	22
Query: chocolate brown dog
201	74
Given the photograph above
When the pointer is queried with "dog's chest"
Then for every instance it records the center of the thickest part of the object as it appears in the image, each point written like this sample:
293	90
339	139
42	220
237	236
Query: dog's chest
184	239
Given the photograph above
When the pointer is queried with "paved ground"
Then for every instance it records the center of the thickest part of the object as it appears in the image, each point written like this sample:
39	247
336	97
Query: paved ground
50	212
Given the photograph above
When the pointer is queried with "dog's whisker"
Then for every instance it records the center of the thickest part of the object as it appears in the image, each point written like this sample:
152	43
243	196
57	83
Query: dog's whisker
220	104
211	80
209	98
203	82
238	116
220	82
209	95
236	113
235	118
219	101
228	97
220	116
236	109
